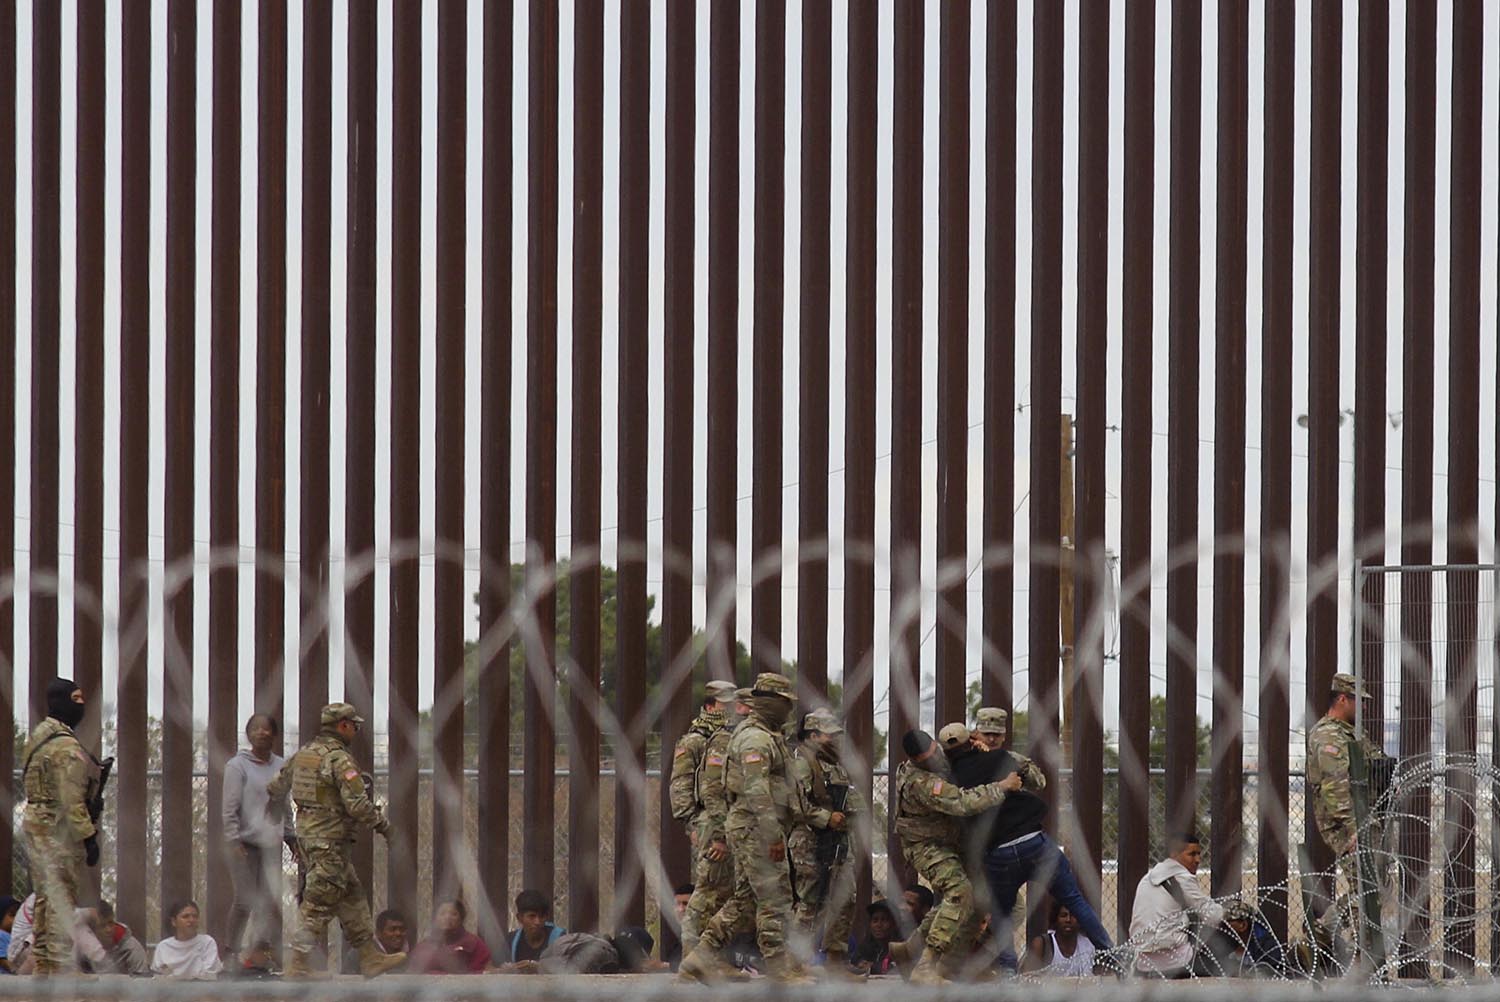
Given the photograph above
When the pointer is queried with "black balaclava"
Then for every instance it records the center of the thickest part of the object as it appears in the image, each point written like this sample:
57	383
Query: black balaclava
60	705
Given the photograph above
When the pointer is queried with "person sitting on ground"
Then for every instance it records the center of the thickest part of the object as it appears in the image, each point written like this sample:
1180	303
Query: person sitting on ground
104	946
22	935
187	953
1170	908
450	948
1242	947
873	953
918	901
390	939
9	906
628	952
1061	951
534	933
680	899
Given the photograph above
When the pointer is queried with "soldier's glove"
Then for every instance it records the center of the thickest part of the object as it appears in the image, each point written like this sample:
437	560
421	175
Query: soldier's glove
91	850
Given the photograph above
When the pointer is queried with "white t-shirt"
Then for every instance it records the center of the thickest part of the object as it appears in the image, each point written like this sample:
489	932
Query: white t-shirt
193	958
1079	965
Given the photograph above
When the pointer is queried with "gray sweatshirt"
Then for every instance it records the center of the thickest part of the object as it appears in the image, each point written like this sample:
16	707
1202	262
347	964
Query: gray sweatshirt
245	799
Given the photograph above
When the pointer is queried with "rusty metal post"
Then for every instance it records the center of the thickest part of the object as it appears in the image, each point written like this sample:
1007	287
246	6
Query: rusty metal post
1093	582
999	573
768	308
1183	308
46	111
1046	399
406	446
1371	248
317	188
135	466
585	699
1461	700
1135	450
859	397
494	705
679	421
224	448
359	419
8	335
1323	415
88	432
178	500
906	385
1227	806
541	444
812	355
950	636
723	331
633	432
1273	838
270	363
449	601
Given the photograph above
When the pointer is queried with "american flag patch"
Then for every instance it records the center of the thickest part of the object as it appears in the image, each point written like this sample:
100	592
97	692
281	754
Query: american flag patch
351	774
753	756
937	787
680	751
716	760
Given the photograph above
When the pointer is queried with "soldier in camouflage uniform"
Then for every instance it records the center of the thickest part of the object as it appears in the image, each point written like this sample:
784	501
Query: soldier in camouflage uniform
764	805
1328	790
929	812
713	874
332	803
825	888
60	777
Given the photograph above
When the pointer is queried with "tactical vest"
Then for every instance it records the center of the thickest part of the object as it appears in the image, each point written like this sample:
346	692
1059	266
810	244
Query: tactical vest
320	809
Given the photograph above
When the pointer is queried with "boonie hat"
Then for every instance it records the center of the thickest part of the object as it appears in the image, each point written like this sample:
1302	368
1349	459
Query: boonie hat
334	712
768	683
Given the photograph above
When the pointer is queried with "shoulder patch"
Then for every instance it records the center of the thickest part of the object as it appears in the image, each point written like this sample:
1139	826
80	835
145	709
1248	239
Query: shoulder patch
681	750
754	756
1331	749
716	759
937	787
351	774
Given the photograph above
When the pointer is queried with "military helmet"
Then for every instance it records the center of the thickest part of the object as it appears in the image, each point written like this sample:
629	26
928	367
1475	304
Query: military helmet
335	712
991	720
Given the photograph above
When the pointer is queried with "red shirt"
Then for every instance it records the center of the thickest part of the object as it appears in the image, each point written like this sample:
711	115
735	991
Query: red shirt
464	953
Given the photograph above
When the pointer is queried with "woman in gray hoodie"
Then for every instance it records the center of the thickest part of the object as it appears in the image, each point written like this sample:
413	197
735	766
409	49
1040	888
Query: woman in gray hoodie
253	836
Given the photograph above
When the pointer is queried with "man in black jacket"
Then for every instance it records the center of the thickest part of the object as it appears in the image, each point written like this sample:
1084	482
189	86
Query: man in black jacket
1011	841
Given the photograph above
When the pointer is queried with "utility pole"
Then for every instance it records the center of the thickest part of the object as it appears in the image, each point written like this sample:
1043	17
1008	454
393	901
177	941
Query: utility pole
1065	588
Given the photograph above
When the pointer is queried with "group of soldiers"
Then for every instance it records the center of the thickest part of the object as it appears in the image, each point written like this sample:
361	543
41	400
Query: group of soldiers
64	781
771	826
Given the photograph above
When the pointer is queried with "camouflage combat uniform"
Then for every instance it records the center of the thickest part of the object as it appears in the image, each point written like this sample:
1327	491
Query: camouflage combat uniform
59	780
928	812
825	903
699	752
764	804
332	803
1328	792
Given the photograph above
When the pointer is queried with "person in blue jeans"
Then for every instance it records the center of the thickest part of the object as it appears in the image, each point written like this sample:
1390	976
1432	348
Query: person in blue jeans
1010	842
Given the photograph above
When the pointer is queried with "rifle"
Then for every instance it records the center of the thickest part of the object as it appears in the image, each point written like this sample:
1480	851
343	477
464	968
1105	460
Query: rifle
832	847
96	801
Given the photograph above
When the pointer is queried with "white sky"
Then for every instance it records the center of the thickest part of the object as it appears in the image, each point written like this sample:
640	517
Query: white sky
1487	415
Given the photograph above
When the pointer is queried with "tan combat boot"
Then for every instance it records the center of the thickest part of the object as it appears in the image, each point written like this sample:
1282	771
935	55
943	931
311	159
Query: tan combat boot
298	968
704	967
908	951
784	970
929	970
373	963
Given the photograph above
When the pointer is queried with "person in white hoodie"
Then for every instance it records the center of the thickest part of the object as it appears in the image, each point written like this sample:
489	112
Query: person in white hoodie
253	836
1170	907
